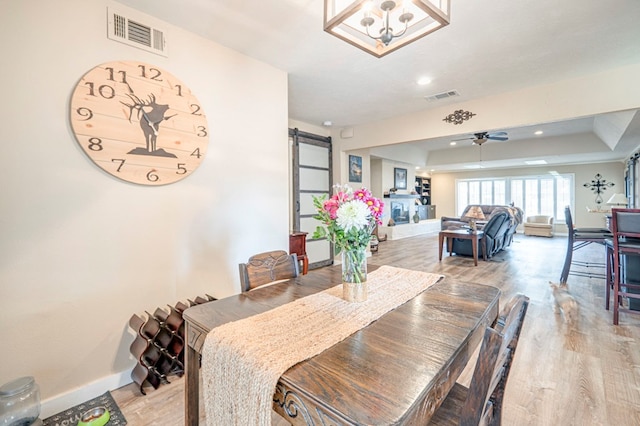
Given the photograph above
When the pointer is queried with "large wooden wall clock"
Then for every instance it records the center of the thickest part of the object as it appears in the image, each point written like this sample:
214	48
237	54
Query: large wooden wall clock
139	123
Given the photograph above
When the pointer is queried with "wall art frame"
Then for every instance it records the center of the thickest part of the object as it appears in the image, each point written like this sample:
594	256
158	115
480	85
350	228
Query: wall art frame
399	178
355	168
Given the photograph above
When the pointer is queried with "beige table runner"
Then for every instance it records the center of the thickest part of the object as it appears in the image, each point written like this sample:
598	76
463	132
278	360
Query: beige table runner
243	360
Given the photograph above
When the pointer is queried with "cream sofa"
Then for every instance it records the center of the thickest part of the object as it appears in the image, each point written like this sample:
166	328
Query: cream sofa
540	226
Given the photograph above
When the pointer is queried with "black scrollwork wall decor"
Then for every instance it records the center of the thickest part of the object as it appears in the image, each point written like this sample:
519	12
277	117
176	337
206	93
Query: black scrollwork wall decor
598	185
458	116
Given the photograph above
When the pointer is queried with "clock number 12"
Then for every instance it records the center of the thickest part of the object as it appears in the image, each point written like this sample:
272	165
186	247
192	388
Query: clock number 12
154	73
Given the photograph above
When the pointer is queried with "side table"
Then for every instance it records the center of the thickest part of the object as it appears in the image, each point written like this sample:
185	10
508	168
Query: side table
465	235
298	245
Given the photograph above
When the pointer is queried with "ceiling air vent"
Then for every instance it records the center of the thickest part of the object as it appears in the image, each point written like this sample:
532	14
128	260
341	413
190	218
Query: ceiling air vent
443	95
131	30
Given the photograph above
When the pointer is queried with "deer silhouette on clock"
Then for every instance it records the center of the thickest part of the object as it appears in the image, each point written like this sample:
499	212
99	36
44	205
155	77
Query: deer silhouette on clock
149	123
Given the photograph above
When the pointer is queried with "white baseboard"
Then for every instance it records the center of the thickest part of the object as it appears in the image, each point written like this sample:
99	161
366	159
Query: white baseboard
61	402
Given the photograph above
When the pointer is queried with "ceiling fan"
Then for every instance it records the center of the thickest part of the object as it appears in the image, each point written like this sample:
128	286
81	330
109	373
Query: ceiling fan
482	137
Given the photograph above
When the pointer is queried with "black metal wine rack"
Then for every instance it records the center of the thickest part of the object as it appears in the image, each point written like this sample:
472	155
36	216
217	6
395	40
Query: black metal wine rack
159	344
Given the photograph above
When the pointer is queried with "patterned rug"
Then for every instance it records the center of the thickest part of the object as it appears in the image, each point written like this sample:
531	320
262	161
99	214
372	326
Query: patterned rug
72	415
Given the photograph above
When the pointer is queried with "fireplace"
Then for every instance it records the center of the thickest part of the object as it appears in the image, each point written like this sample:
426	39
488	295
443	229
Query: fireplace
400	212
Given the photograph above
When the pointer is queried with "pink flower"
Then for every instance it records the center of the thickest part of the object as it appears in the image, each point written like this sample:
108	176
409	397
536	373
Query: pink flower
341	197
348	216
362	194
331	207
375	205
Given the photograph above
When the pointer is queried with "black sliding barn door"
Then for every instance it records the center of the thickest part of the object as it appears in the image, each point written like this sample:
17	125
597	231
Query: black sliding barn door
312	175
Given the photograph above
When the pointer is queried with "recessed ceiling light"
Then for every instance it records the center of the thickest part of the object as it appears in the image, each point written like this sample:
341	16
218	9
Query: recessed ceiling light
453	143
473	166
417	167
327	123
535	162
538	132
422	81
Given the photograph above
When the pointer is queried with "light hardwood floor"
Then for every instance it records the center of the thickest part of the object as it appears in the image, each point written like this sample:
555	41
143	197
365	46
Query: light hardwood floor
588	374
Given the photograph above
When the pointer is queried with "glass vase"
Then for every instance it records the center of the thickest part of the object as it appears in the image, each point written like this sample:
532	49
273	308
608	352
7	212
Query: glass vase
354	275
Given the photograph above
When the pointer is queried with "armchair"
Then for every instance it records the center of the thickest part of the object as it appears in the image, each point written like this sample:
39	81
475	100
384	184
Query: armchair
539	225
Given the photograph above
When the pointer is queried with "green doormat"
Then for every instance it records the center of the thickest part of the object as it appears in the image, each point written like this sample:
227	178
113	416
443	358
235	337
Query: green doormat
72	416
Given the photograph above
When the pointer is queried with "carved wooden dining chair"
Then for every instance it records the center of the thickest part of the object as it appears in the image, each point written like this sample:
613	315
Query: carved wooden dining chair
481	403
265	268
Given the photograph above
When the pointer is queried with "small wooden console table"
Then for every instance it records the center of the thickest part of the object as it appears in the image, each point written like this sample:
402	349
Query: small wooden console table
298	245
464	235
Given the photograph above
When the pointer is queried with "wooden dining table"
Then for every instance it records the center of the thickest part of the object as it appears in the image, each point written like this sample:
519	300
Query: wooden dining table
397	370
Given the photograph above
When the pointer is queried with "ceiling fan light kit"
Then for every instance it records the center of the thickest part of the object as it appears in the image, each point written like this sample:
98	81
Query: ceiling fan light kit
380	27
481	137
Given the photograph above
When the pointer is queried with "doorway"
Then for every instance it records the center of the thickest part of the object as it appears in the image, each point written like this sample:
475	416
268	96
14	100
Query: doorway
312	175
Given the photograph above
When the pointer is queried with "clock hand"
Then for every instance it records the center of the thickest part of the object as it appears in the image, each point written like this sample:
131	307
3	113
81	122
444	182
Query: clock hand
151	123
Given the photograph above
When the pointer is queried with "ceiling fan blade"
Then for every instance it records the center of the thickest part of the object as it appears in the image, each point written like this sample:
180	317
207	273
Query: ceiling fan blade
481	137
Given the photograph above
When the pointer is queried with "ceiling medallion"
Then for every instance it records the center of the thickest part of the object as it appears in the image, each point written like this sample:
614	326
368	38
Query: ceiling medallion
458	117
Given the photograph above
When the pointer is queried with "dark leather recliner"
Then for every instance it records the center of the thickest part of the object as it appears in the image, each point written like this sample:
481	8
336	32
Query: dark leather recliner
495	231
489	210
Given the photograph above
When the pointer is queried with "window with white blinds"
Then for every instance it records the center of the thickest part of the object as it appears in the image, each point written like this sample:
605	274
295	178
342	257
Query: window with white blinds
536	195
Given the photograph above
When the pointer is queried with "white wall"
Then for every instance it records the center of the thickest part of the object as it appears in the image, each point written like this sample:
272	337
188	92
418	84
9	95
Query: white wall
443	188
83	251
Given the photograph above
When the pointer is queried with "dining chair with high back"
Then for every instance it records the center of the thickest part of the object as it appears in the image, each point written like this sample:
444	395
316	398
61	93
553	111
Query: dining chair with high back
578	238
267	267
481	402
625	242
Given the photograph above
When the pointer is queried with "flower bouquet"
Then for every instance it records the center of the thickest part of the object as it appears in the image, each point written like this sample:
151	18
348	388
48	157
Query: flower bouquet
348	218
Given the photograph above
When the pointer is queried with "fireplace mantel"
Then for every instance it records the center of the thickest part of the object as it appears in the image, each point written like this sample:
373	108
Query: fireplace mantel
401	196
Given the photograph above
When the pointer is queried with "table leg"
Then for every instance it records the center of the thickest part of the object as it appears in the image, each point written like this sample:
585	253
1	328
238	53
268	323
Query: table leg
191	386
440	241
474	248
483	241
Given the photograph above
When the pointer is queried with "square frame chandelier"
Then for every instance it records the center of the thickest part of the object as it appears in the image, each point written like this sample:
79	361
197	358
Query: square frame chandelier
380	27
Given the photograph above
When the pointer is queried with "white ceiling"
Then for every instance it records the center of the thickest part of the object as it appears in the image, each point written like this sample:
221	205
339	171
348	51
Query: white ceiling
490	47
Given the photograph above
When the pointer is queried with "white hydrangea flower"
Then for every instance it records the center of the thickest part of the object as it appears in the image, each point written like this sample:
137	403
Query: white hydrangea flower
353	214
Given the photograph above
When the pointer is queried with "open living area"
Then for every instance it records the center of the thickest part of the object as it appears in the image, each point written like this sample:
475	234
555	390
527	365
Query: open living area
291	212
